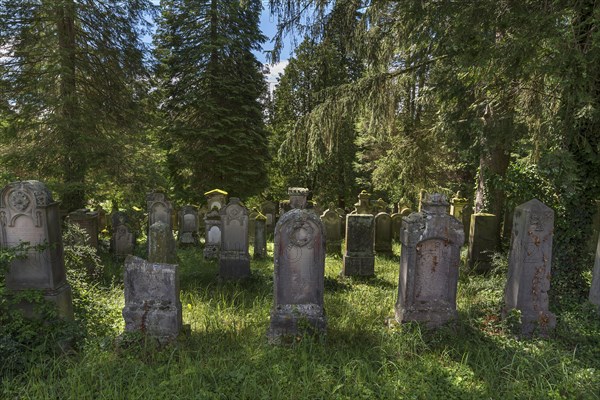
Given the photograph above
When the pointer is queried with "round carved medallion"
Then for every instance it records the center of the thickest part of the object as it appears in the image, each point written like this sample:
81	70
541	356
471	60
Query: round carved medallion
19	200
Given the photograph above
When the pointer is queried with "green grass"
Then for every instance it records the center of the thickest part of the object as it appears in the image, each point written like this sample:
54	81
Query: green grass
226	355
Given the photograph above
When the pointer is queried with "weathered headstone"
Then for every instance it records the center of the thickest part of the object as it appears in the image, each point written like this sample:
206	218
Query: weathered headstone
383	234
28	214
595	288
396	226
482	241
298	197
216	198
364	204
260	236
188	225
212	225
529	265
88	221
234	258
380	206
359	258
332	223
298	277
161	247
430	258
123	239
152	304
159	209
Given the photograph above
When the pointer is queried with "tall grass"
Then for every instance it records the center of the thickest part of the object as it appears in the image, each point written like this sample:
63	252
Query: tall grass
226	354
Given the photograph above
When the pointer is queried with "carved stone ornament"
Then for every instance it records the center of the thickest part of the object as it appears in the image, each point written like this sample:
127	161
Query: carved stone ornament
19	200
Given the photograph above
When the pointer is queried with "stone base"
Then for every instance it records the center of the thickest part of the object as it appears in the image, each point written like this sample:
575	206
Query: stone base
431	317
234	267
358	266
291	320
153	320
211	251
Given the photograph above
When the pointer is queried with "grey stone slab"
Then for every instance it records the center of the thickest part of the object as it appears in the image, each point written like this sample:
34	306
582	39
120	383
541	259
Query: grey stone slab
359	258
234	258
383	234
483	241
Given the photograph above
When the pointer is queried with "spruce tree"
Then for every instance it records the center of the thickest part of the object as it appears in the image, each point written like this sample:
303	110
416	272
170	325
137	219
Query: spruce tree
210	89
72	77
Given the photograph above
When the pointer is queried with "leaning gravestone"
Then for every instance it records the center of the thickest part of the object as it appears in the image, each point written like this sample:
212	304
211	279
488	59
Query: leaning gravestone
431	241
332	223
359	258
152	304
529	265
212	226
234	259
260	236
595	289
383	234
28	214
298	276
482	241
188	225
88	221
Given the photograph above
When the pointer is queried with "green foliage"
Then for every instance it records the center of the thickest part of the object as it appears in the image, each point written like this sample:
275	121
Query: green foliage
210	86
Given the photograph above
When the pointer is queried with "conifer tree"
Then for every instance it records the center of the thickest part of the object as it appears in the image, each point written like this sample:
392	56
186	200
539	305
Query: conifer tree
210	89
72	77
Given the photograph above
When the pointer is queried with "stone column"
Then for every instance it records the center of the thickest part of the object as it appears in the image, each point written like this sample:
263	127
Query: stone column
29	214
298	276
431	241
529	265
359	258
260	236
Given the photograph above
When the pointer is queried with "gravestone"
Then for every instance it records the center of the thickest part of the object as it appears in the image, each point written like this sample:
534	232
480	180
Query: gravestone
161	247
383	234
234	258
251	220
529	265
405	212
260	236
396	226
380	206
28	214
188	225
123	240
482	241
88	221
269	210
431	241
298	276
595	288
298	197
359	258
332	223
364	204
152	304
216	198
159	209
212	225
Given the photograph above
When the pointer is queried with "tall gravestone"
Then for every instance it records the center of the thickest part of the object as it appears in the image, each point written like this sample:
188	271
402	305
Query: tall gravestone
529	265
234	259
28	214
152	304
482	241
595	288
161	243
88	221
359	258
431	241
212	241
123	240
332	223
260	236
298	276
396	226
383	234
188	225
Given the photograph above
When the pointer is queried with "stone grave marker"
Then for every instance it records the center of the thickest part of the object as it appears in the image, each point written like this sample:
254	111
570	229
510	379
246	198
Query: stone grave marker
482	241
383	234
152	304
359	258
123	240
396	226
88	221
529	265
431	241
161	244
298	276
28	214
332	223
188	225
260	236
212	225
234	258
251	220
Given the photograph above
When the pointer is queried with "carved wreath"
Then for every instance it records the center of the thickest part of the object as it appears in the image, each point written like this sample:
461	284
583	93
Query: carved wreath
19	200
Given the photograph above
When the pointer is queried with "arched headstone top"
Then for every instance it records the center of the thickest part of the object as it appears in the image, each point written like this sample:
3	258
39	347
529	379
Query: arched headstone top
25	195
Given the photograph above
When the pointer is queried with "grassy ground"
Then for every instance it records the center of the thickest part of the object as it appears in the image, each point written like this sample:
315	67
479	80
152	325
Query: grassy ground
226	355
